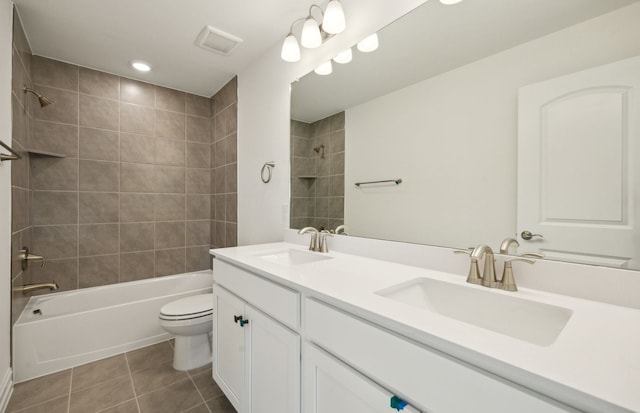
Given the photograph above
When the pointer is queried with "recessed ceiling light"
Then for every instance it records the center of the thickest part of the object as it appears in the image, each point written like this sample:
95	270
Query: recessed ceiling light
140	66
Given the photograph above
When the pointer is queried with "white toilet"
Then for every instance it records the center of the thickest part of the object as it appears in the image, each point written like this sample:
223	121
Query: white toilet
190	319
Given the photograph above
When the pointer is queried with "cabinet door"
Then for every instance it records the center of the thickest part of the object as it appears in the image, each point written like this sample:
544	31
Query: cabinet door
331	386
228	345
273	378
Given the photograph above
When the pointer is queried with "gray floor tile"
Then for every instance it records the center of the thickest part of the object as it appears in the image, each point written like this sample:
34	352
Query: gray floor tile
205	384
175	398
130	406
147	380
220	404
102	396
40	390
199	409
151	356
99	371
59	405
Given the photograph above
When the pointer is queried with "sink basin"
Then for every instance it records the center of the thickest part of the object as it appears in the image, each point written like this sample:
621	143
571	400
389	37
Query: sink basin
291	257
531	321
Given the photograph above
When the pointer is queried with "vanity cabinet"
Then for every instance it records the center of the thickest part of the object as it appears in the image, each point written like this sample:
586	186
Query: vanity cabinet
433	381
256	358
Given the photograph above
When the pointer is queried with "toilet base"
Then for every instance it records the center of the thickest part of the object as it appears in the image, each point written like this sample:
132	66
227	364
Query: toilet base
191	352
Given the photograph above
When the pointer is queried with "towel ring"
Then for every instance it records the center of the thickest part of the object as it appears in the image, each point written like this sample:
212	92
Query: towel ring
267	168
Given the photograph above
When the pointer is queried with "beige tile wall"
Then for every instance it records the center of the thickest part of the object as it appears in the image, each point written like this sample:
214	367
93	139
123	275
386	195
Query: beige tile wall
22	126
224	198
317	201
132	197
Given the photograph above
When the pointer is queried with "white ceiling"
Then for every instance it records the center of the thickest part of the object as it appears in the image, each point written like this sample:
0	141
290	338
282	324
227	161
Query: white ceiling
107	34
434	39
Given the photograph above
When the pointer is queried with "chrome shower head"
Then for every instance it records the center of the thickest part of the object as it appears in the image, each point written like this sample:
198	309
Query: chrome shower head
44	101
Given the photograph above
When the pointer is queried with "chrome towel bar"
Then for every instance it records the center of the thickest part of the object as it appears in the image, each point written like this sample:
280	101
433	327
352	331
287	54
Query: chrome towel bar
4	157
396	181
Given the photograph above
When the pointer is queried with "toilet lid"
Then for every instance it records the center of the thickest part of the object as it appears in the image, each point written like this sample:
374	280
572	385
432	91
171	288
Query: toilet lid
192	306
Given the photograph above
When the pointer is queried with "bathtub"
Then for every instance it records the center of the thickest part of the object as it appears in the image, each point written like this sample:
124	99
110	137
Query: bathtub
63	330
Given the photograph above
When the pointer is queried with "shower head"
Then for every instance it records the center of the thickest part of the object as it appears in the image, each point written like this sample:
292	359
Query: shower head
44	101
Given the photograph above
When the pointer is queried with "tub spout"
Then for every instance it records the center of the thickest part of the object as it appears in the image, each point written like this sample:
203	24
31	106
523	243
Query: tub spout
25	289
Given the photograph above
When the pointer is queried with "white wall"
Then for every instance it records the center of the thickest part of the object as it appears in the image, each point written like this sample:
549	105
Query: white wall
263	118
452	139
6	21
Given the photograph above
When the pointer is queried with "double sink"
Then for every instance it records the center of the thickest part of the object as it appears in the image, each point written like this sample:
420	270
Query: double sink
501	312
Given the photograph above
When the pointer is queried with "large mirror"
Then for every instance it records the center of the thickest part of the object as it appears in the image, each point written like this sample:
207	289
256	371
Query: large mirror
486	119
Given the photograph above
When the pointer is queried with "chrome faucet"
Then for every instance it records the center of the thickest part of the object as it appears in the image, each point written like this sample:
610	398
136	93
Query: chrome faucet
489	272
506	244
25	289
313	243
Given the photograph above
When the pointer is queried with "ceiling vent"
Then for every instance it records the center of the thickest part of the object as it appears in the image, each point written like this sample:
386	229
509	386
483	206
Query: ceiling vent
217	41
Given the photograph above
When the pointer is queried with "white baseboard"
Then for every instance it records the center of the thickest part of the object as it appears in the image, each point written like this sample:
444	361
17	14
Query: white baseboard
6	388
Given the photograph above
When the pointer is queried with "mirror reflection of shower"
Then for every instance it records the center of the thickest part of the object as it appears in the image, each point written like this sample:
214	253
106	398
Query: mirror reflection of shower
44	101
320	150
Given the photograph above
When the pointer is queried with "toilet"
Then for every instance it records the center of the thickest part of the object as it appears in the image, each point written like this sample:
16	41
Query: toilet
190	320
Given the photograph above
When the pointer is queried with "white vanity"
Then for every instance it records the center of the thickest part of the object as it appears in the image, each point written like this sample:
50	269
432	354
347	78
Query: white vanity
301	331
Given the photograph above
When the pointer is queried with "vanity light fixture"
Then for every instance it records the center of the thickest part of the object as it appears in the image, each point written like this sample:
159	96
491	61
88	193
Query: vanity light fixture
333	21
324	69
369	43
290	49
313	34
140	66
344	56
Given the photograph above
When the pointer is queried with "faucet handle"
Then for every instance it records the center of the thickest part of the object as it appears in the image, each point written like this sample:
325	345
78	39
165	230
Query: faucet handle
508	282
322	242
474	272
532	255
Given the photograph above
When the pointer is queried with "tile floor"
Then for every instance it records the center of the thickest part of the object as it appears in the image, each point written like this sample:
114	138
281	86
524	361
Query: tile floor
140	381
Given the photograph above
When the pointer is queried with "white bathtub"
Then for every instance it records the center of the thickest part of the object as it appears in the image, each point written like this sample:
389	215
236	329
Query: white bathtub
81	326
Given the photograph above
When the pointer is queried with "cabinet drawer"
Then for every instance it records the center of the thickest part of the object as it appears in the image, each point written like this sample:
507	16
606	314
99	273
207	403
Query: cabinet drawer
332	386
429	379
277	301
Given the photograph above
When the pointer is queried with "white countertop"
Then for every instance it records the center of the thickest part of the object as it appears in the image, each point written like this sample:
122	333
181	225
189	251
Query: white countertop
594	364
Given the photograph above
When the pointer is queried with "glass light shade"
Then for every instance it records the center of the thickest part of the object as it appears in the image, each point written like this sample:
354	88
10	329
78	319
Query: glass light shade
140	66
344	56
311	37
333	21
290	49
369	43
449	2
324	69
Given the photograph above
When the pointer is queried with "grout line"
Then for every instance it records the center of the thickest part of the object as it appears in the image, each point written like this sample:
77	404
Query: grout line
135	394
70	387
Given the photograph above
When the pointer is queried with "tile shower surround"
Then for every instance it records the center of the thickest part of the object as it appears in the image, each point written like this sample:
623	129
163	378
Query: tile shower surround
21	124
134	197
317	202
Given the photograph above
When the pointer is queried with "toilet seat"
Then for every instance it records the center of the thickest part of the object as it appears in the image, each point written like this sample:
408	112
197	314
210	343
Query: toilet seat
188	308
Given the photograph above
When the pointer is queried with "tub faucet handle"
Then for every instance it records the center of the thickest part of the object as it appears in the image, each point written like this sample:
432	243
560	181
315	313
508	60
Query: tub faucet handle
26	256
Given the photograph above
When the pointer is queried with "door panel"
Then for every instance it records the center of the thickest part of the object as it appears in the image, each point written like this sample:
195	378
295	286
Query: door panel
228	346
578	165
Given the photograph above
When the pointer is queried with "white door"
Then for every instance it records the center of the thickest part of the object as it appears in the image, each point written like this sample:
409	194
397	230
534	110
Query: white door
331	386
273	383
579	166
228	345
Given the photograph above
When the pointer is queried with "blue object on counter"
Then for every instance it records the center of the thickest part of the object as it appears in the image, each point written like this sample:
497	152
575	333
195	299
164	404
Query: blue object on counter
397	403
